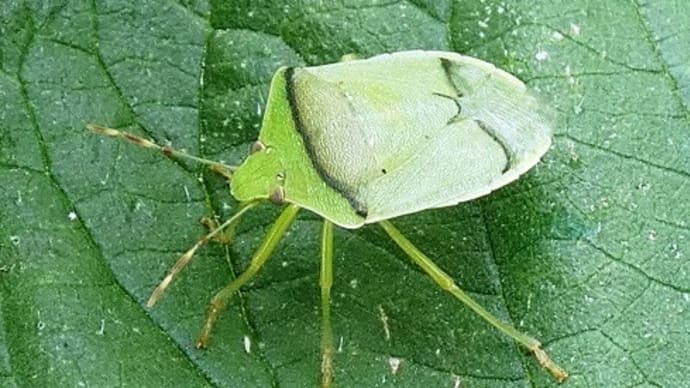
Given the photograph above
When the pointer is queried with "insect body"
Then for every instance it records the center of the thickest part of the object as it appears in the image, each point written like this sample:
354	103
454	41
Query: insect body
365	141
392	135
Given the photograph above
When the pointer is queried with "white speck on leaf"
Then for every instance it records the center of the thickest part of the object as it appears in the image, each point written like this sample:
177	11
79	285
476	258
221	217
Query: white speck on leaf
541	55
105	180
384	320
16	240
568	73
574	29
101	329
557	35
652	235
457	383
677	252
72	216
394	363
570	145
247	344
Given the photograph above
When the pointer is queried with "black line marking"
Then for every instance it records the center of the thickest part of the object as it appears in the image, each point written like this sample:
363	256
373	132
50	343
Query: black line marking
457	117
446	65
360	209
510	156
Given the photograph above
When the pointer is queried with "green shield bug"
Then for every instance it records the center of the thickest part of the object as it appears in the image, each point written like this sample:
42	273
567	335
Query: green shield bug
363	141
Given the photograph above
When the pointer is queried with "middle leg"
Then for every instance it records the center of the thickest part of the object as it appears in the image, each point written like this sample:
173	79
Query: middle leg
326	281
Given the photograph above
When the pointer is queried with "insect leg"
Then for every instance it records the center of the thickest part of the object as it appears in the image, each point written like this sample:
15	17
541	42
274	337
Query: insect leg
225	172
211	224
187	257
228	233
221	299
448	284
221	168
326	281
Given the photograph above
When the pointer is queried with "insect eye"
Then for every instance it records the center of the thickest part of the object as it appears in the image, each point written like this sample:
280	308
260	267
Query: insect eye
278	196
257	146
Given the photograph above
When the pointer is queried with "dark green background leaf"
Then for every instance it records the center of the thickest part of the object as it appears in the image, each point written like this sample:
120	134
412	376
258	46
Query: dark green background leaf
588	252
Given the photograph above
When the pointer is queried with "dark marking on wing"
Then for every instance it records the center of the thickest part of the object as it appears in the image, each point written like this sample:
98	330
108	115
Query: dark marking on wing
359	207
446	64
510	155
457	116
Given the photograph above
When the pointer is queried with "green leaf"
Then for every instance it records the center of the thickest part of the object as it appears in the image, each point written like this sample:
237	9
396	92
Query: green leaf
588	252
